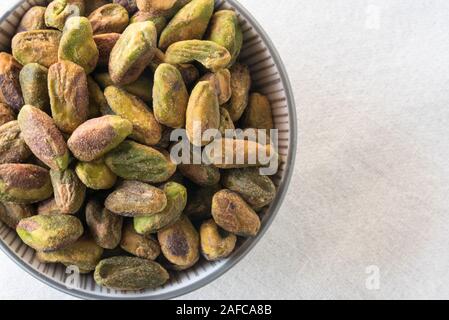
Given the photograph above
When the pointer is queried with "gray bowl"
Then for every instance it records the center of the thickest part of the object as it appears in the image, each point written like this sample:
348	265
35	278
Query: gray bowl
269	78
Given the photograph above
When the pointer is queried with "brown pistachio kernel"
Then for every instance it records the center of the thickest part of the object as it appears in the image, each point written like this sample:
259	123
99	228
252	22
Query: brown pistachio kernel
226	31
129	5
226	122
134	198
11	213
176	202
200	202
97	101
48	208
145	247
234	215
240	86
109	18
189	23
130	273
170	96
141	87
159	20
84	253
134	161
69	191
180	244
33	19
59	11
216	244
211	55
24	183
200	174
49	233
96	175
133	52
189	73
78	45
96	137
221	82
37	46
6	113
69	95
229	153
146	129
10	91
43	137
257	190
105	226
169	13
258	114
34	84
13	148
203	113
105	42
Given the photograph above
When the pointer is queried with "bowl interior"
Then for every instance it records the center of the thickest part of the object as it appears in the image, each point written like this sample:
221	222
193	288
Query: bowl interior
269	78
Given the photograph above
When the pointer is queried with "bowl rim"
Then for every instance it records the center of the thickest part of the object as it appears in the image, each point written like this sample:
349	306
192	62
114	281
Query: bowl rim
245	248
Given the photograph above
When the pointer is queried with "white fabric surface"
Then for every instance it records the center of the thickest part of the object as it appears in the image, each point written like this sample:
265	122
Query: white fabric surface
371	182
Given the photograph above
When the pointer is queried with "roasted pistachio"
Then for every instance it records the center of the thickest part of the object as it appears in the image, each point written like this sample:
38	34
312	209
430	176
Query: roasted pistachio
208	53
24	183
201	174
180	244
33	19
226	31
134	198
48	208
11	213
69	95
234	215
109	18
240	86
105	226
43	137
96	137
258	114
134	161
59	11
176	202
145	127
130	273
69	191
203	113
10	91
49	233
33	81
78	45
216	243
145	247
257	190
13	148
84	253
221	82
148	5
189	23
92	5
37	46
170	96
96	175
133	52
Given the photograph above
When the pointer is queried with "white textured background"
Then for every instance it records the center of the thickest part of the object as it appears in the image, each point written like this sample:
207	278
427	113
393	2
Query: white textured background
371	187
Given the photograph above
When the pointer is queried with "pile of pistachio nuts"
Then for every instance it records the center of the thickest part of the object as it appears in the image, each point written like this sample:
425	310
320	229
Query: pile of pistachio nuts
89	95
